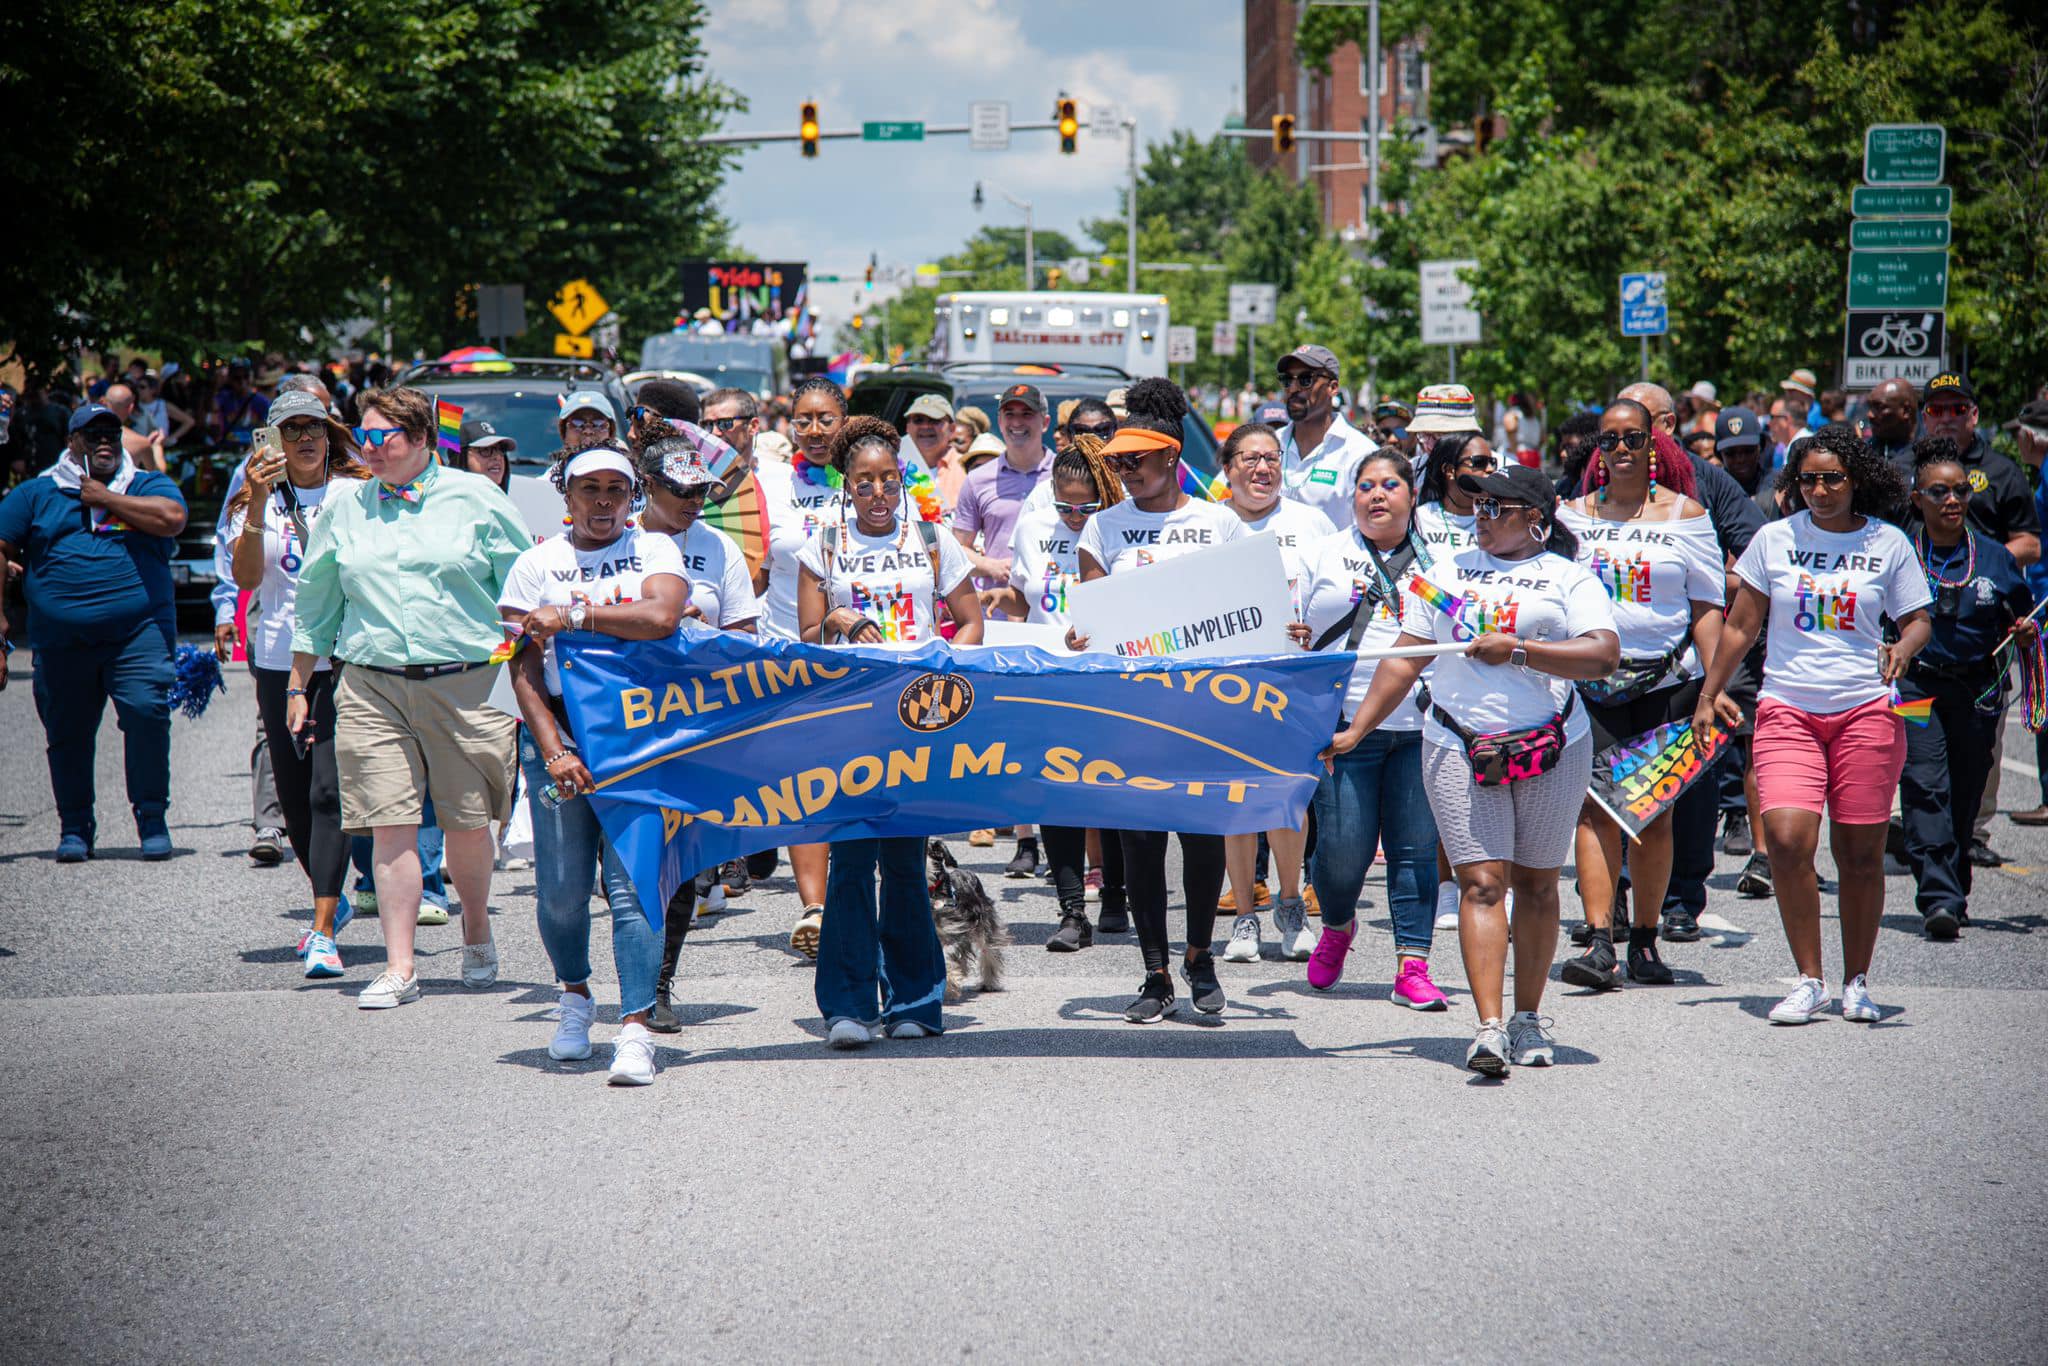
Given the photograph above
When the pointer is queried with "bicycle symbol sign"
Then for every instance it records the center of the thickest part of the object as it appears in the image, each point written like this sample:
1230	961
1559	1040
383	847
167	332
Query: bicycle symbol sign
1881	344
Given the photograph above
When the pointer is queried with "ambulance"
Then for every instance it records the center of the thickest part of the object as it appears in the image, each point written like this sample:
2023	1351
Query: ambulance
1055	327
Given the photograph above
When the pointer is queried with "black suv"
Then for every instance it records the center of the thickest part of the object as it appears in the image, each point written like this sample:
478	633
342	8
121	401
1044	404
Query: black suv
520	396
889	393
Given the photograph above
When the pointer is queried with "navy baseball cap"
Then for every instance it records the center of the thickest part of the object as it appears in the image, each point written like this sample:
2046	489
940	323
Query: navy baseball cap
1737	427
91	412
1311	356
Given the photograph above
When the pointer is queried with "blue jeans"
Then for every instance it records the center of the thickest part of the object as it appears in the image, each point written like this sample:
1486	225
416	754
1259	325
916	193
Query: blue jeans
893	960
1374	799
73	684
568	844
432	887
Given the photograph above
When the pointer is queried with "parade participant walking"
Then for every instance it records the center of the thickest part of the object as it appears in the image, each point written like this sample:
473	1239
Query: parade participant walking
1506	750
95	536
1044	564
1826	739
1251	459
587	419
1352	599
601	576
1145	453
878	577
1390	419
400	585
1652	549
1442	410
721	597
2001	501
928	431
1979	595
1320	451
486	451
269	525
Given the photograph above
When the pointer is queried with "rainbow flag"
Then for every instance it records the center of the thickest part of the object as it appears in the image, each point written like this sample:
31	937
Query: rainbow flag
1191	484
515	636
449	418
1440	600
744	517
1918	713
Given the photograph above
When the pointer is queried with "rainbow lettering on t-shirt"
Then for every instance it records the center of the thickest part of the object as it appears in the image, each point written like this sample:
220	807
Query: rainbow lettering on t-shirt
1493	616
1625	580
1820	608
1357	591
890	608
1052	598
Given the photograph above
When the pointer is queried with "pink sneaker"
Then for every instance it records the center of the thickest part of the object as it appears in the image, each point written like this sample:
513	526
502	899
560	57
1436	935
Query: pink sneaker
1412	987
1326	964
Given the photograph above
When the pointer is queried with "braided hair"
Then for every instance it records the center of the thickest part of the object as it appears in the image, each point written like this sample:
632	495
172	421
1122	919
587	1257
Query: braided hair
1083	460
818	384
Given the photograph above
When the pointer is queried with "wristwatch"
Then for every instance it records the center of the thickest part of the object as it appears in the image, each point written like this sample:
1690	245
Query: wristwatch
1520	656
579	614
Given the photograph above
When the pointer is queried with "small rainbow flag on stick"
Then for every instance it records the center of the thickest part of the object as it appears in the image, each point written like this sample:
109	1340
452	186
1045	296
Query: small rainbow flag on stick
515	636
449	418
1439	599
1191	484
1918	713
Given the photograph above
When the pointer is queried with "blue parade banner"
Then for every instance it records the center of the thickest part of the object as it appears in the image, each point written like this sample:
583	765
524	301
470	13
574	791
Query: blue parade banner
712	745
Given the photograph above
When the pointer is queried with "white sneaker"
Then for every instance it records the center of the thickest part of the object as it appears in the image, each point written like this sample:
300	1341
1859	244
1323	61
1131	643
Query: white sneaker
572	1029
1244	940
714	900
911	1029
479	964
847	1033
1805	1004
1290	922
1529	1043
1489	1051
388	990
1856	1002
632	1056
1447	904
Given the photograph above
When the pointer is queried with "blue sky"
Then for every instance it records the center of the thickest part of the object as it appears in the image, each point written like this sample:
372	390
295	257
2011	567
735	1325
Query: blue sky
1169	65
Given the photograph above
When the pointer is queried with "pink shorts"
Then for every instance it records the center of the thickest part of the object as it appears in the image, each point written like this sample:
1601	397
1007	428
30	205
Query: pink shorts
1846	764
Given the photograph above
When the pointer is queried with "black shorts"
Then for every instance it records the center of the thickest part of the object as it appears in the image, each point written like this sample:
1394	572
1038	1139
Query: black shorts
1743	686
1627	720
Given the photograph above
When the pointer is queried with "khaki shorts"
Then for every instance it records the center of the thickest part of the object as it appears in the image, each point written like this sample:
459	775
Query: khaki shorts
398	740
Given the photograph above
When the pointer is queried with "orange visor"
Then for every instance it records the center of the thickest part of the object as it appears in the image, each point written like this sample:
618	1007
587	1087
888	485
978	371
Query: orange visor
1140	440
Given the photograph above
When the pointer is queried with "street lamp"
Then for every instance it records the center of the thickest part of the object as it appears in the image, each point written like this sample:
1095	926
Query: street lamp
1030	248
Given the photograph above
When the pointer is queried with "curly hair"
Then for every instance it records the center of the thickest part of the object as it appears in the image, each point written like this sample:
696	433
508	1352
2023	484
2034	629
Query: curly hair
1878	487
558	465
1083	460
1155	405
857	433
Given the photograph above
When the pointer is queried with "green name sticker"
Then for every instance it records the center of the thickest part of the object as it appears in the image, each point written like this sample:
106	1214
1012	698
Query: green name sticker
1322	476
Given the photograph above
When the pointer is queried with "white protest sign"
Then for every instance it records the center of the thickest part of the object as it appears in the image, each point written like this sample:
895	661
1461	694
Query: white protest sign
538	503
501	694
1045	635
1231	599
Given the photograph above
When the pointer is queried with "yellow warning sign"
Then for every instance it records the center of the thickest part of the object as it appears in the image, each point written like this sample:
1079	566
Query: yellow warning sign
577	308
578	348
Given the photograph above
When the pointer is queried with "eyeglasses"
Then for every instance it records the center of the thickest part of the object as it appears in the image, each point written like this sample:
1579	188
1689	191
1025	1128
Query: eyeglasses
301	431
1105	432
1478	463
587	424
722	425
1941	493
1076	509
824	422
867	488
376	436
1826	479
1253	459
1489	509
1634	440
1299	379
1390	483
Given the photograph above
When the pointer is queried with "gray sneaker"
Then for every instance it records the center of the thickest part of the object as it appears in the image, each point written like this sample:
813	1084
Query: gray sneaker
1489	1051
1244	941
1529	1041
1290	922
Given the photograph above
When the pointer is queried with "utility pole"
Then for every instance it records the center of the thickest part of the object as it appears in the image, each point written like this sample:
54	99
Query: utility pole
1131	208
1030	245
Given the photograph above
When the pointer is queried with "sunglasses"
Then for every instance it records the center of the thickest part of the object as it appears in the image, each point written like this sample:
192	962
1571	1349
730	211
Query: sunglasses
1300	379
1826	479
1490	509
1125	462
867	488
1390	483
301	431
587	424
1941	493
1105	432
1634	440
1076	509
1479	463
722	425
376	436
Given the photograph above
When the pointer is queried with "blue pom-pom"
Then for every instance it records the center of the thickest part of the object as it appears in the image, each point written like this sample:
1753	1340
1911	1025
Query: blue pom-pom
196	679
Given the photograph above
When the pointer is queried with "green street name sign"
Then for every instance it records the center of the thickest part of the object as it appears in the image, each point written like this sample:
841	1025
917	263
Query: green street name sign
892	132
1899	232
1927	201
1898	279
1903	153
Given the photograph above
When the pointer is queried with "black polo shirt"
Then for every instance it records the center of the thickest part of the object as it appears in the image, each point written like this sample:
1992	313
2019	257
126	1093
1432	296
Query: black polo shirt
2001	500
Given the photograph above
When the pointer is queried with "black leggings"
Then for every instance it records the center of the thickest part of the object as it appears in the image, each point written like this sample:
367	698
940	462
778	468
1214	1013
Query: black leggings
308	789
1066	849
1201	881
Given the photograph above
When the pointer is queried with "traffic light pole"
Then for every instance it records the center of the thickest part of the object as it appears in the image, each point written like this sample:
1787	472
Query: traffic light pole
931	130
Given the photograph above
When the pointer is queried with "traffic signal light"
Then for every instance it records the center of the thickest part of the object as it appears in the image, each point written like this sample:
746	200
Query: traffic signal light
859	322
1482	133
807	128
1283	134
1053	276
1070	124
871	272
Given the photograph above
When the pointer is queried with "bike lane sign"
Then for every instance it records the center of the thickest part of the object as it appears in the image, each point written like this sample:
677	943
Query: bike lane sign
1882	344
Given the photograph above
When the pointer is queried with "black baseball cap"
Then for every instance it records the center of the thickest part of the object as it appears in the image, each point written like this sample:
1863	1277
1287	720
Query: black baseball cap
1516	482
1948	384
479	432
1737	427
1312	357
1026	394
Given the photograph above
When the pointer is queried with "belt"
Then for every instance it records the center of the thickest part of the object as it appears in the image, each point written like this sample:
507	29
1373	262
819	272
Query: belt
415	672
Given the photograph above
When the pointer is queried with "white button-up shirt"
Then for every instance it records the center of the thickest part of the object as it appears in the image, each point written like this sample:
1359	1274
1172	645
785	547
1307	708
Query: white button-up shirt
1323	477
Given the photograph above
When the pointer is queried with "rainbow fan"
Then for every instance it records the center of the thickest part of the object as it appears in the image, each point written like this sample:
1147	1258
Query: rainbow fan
743	515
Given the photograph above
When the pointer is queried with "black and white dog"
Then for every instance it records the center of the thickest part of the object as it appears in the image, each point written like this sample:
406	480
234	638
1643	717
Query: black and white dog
969	926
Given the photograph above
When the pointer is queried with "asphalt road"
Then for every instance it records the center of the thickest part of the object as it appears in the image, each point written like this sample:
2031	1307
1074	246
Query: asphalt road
208	1158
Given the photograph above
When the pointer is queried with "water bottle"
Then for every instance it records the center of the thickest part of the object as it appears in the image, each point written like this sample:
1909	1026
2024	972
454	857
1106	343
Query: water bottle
552	796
